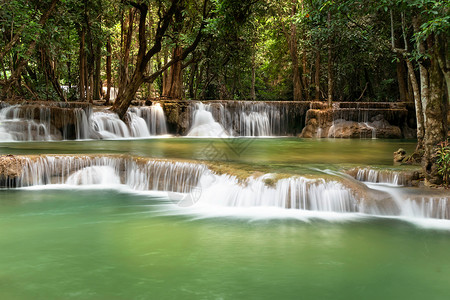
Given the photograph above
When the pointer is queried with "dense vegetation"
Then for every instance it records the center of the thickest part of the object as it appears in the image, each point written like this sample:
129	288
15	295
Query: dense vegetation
341	50
227	49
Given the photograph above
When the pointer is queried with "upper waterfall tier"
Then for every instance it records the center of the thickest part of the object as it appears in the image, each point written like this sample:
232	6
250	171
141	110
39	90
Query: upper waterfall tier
246	118
221	118
47	123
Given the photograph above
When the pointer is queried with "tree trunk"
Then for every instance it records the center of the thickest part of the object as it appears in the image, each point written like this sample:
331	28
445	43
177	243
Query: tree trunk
97	82
175	77
125	97
108	71
296	80
435	118
83	82
165	78
305	75
192	76
330	65
50	73
297	77
317	75
441	54
252	90
418	104
435	124
401	78
126	51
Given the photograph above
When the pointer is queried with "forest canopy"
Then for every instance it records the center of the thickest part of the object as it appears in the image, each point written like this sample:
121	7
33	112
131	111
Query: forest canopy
340	50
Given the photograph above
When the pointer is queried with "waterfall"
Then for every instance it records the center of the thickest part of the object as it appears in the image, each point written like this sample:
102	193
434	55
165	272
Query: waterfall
213	192
109	126
381	176
17	124
204	125
82	127
153	117
37	123
415	206
110	171
291	193
243	118
372	129
104	175
144	122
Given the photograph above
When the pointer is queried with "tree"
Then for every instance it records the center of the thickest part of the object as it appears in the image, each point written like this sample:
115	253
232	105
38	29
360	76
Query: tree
139	76
428	20
21	62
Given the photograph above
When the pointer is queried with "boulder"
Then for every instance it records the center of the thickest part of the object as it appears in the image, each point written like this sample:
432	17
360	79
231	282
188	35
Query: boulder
399	156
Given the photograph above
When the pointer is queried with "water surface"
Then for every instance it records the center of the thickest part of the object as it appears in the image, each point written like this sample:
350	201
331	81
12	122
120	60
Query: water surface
274	154
104	244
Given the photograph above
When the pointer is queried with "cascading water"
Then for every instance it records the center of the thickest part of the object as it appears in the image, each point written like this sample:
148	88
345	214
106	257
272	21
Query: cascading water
104	175
34	123
204	125
17	124
242	118
153	117
82	127
415	206
88	170
109	125
381	176
144	122
215	192
289	193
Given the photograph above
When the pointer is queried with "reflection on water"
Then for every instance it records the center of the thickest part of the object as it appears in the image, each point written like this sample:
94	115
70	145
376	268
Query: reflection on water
264	151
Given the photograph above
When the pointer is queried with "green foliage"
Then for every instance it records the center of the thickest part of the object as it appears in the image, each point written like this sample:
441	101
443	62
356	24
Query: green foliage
442	155
240	37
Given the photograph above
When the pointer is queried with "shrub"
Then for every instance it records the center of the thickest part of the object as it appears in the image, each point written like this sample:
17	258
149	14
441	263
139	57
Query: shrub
442	155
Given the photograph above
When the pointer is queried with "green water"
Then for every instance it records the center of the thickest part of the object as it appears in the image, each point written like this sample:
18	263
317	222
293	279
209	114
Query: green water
57	244
266	154
105	244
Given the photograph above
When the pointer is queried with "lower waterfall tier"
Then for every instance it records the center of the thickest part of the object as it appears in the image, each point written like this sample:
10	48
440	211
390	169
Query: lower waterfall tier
196	185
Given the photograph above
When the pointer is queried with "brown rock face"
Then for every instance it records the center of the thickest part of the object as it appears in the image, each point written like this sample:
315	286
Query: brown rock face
354	123
177	116
10	170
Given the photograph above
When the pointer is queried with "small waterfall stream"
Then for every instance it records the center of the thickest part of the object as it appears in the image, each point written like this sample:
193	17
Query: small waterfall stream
381	176
203	124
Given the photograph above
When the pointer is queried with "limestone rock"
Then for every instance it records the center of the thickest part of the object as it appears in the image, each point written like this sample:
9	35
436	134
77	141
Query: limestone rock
399	156
10	170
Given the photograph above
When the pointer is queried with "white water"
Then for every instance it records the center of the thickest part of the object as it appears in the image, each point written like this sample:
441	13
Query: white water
144	122
102	175
109	125
415	206
242	118
194	185
153	116
381	176
20	124
204	125
372	129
